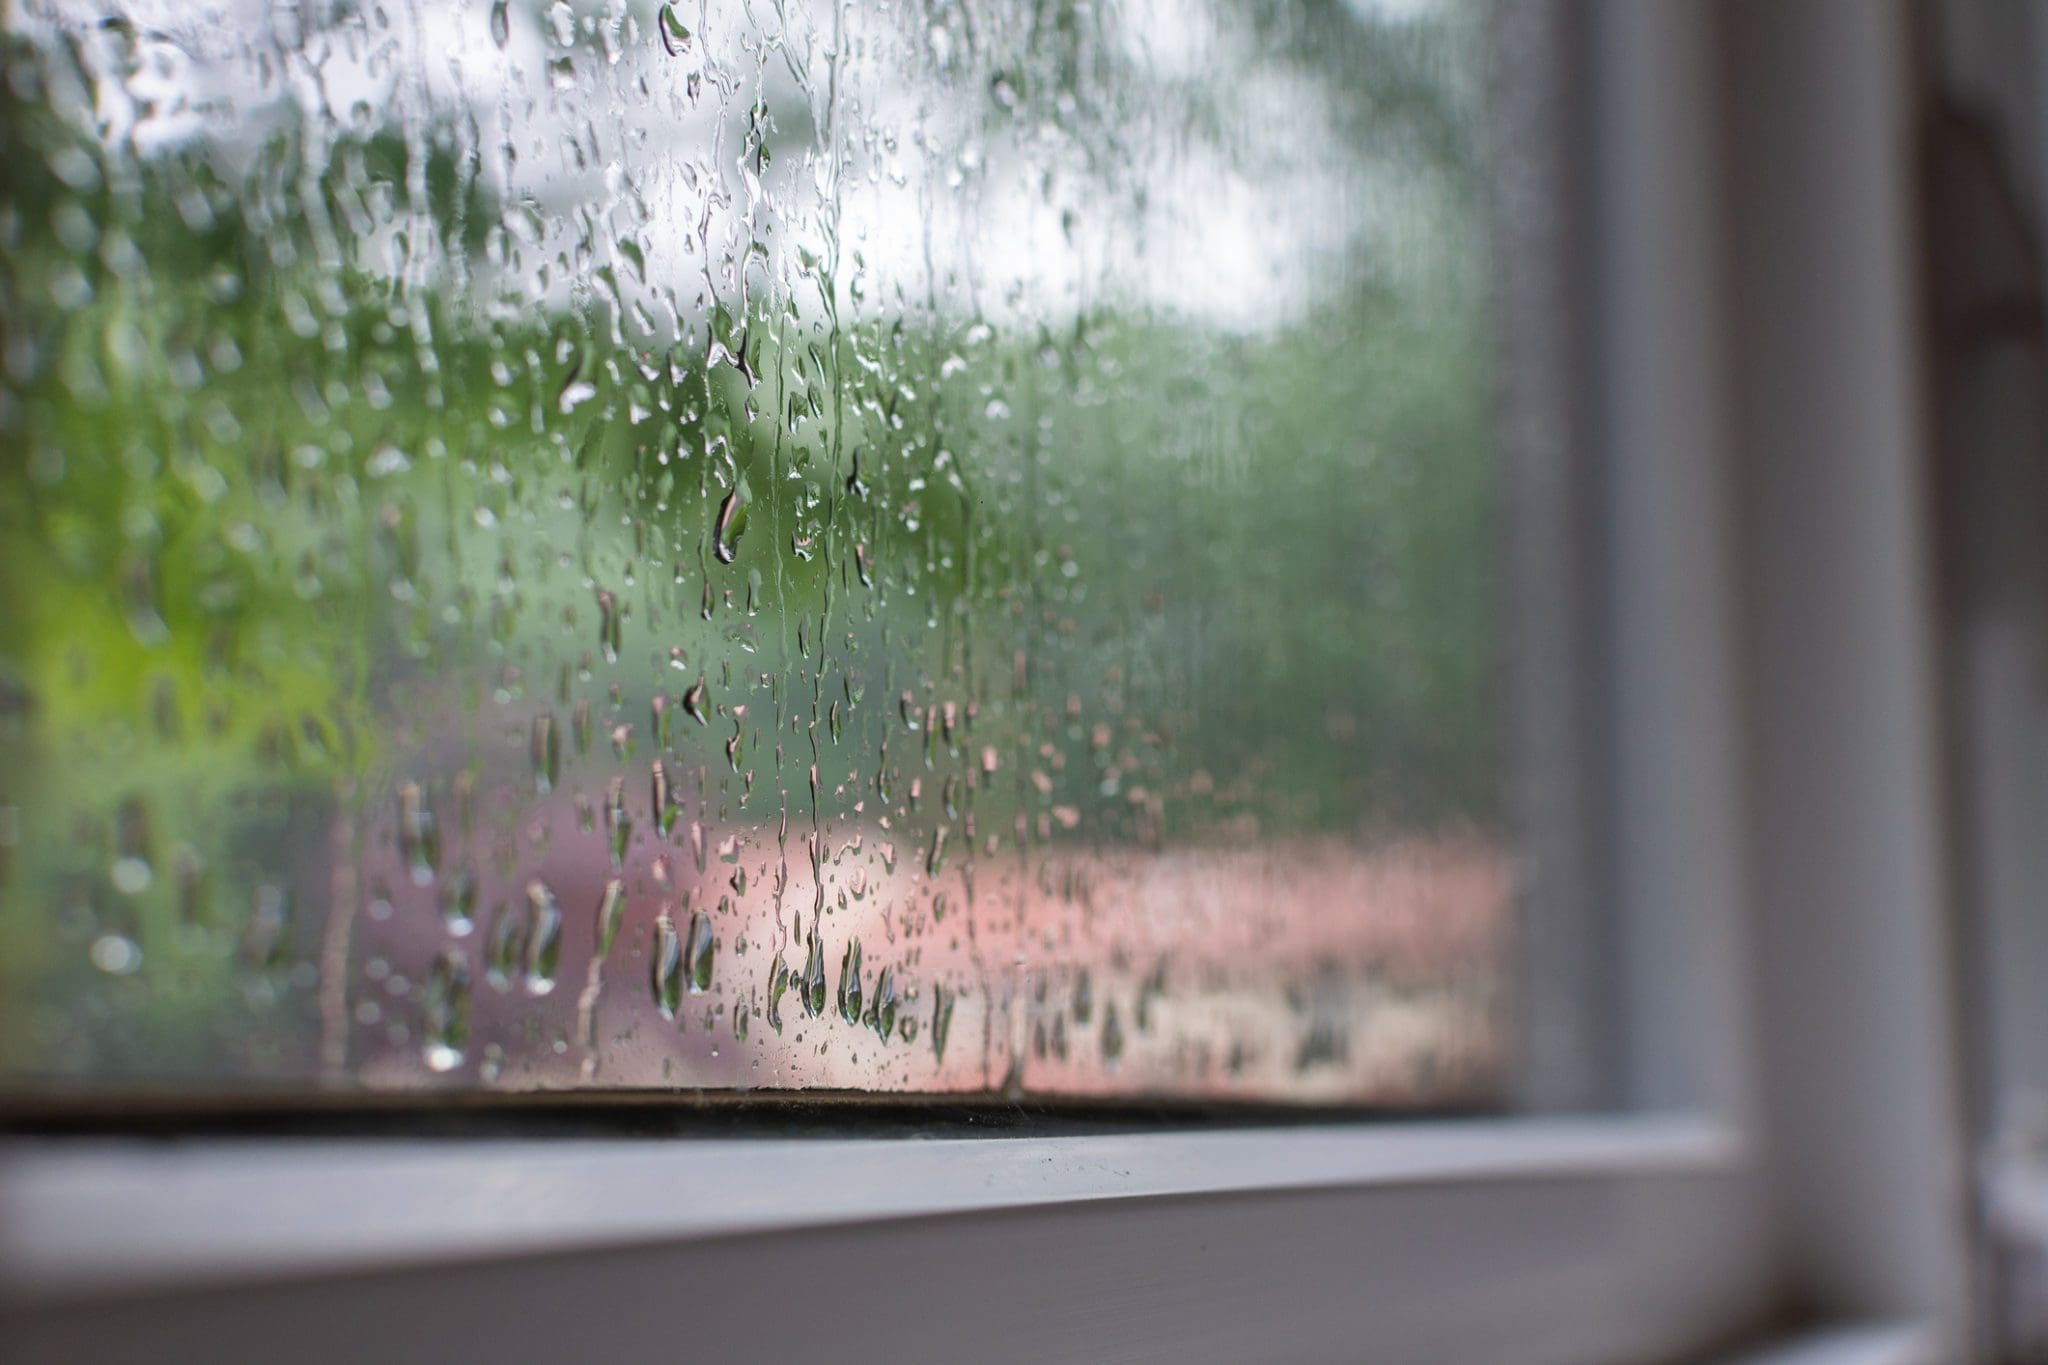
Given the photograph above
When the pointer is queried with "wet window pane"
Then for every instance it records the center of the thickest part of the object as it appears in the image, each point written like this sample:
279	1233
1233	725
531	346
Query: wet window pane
929	547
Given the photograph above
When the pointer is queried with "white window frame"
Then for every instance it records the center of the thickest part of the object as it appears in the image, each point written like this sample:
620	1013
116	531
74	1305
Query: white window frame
1782	1146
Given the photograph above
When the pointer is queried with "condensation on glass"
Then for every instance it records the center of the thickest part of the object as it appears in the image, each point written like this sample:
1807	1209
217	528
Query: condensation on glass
925	547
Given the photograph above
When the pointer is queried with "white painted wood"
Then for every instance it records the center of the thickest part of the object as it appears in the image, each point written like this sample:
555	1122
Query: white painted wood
96	1218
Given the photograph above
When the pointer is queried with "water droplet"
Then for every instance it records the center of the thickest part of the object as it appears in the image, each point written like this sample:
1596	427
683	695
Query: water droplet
881	1016
543	938
942	1019
131	876
611	907
575	390
115	954
447	1011
668	961
665	809
697	954
731	524
675	39
263	939
562	18
814	976
1112	1037
735	747
778	982
618	828
419	842
608	631
849	983
503	954
546	751
458	902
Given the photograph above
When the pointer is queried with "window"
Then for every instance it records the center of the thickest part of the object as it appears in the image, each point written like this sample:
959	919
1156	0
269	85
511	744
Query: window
907	549
1135	589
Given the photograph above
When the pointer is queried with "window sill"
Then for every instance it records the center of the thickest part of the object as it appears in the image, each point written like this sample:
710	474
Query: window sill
82	1219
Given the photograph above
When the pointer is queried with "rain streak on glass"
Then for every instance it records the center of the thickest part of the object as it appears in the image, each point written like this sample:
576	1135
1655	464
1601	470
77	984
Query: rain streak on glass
940	548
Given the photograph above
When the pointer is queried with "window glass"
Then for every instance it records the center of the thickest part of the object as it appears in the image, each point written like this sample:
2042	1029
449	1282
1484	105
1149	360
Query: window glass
924	547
